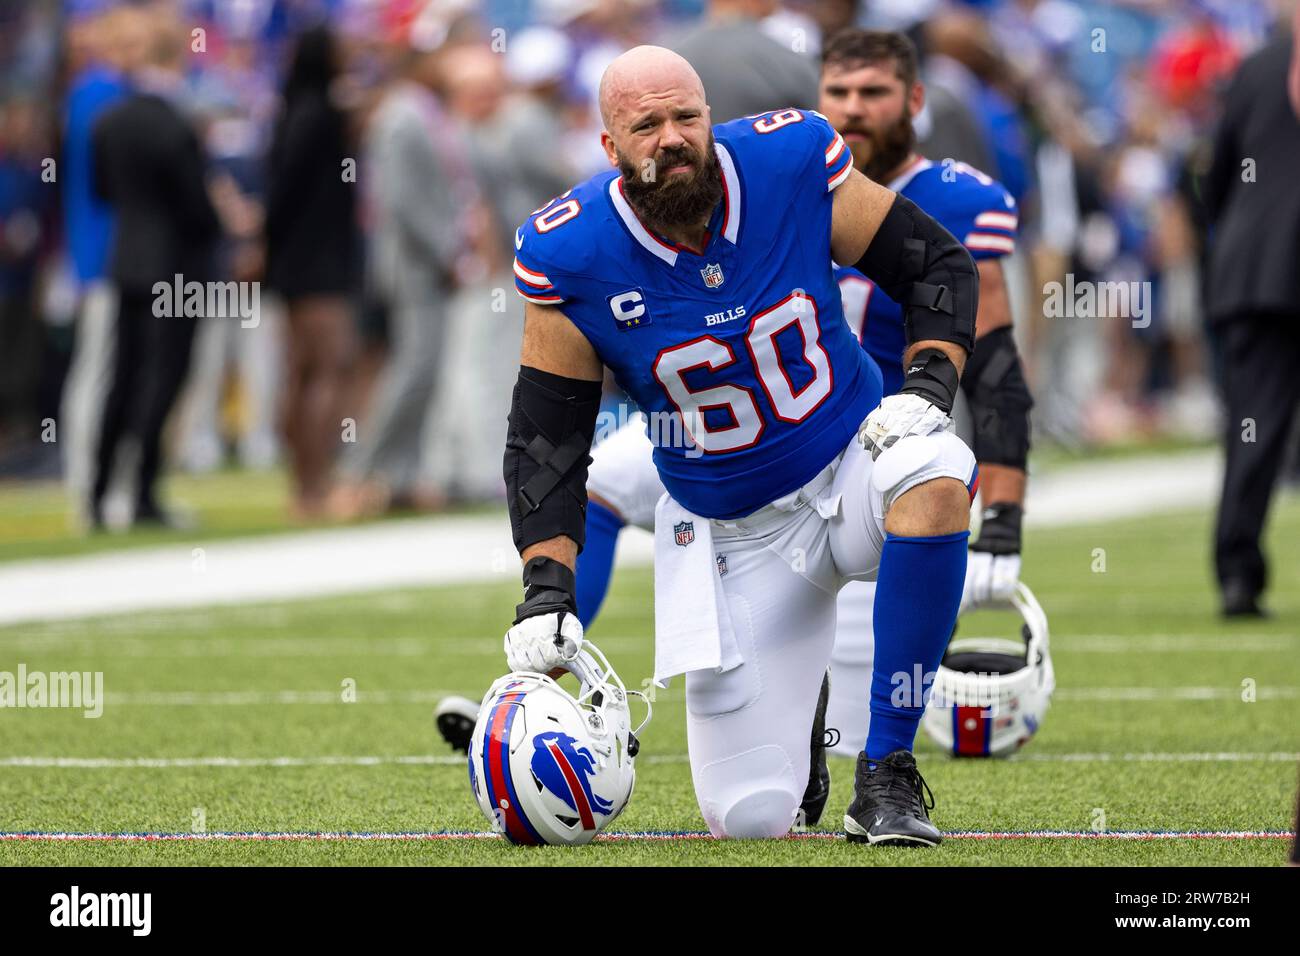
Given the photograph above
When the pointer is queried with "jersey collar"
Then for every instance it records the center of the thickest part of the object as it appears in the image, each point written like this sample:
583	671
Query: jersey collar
902	179
657	246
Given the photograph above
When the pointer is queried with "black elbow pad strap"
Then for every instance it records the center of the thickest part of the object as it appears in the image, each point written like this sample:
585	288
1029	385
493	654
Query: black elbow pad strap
552	423
554	462
999	398
920	265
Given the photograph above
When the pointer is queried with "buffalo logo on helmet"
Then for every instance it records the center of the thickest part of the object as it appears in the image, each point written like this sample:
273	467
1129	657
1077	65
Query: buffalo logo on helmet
565	769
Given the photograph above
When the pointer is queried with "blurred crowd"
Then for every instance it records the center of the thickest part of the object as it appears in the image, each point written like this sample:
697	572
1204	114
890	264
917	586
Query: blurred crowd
364	164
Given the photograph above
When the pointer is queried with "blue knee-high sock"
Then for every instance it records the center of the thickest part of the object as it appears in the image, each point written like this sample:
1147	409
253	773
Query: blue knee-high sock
918	591
596	563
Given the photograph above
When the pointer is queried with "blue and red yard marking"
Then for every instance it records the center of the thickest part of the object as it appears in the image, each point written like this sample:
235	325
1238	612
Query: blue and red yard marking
632	836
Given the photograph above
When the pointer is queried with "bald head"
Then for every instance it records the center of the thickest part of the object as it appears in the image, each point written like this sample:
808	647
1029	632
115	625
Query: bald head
643	78
657	134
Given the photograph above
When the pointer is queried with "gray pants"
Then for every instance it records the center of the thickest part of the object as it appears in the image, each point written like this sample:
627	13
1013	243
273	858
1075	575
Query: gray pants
465	430
85	391
389	440
257	351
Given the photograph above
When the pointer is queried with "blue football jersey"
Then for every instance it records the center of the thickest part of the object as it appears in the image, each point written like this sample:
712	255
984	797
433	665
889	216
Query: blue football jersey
742	343
970	205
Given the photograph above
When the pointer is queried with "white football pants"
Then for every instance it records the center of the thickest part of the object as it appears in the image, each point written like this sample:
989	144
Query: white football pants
623	473
790	568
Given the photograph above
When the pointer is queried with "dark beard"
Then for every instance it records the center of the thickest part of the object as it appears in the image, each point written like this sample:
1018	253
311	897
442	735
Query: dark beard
889	148
680	201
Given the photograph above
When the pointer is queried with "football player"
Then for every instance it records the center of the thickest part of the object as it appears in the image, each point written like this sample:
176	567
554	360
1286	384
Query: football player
700	274
870	93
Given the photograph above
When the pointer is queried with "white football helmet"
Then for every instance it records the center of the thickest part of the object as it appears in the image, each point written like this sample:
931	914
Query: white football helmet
549	768
990	694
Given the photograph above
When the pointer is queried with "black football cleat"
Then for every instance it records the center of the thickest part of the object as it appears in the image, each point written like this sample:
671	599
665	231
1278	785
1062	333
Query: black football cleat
888	806
819	775
455	718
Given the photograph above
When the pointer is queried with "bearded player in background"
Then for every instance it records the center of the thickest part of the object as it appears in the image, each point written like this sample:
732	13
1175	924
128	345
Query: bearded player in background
870	93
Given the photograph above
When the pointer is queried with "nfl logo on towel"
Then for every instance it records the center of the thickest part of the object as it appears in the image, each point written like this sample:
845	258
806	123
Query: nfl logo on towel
684	533
712	275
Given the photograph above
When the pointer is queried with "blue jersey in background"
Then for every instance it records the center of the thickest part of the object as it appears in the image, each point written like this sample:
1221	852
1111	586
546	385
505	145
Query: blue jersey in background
977	210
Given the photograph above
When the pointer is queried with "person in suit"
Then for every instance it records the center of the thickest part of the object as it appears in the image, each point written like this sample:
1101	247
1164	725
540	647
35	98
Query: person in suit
1253	302
148	167
313	247
107	46
1293	78
425	220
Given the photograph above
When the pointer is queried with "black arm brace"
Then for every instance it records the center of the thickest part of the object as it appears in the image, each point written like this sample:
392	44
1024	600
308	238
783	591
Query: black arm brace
920	265
931	375
548	587
994	384
552	423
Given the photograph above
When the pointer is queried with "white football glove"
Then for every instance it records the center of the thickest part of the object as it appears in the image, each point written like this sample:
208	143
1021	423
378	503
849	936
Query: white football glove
898	416
544	642
990	579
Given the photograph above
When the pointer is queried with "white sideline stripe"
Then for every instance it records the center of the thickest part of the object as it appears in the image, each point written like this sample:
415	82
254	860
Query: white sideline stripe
274	646
1168	693
1136	487
421	552
437	760
391	554
168	763
239	698
251	698
57	636
1174	757
1172	643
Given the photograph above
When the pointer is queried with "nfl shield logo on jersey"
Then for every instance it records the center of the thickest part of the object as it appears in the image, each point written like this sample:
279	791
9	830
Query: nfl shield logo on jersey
712	275
684	533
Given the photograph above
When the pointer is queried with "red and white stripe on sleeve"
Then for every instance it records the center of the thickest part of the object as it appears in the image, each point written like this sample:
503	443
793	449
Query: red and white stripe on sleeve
993	234
534	286
839	162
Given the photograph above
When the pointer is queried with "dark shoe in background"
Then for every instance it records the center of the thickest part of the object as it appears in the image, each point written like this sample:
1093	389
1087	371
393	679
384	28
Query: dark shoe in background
1241	600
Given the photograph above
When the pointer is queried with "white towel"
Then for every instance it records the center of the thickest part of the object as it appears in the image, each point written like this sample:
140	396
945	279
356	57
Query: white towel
692	621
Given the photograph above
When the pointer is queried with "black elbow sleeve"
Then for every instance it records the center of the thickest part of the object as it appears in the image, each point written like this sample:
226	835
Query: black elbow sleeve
999	398
551	426
923	267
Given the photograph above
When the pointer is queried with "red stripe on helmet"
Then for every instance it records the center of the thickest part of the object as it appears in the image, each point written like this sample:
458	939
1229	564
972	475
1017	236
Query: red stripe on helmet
575	786
971	732
497	745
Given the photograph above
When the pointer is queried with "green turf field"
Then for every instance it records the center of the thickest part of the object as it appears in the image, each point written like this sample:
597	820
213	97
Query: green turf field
251	697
